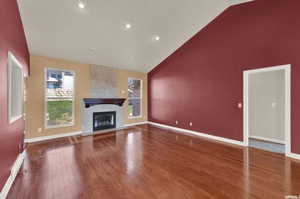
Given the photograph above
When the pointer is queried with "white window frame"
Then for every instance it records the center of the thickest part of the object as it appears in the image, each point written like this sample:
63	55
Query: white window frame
45	99
140	98
12	61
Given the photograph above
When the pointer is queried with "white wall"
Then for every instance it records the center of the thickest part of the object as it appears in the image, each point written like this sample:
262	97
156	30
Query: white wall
266	105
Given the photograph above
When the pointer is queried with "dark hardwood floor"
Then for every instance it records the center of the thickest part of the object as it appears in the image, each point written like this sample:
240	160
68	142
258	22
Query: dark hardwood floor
149	162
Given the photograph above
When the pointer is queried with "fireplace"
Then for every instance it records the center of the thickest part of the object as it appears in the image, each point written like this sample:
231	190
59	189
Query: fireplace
104	120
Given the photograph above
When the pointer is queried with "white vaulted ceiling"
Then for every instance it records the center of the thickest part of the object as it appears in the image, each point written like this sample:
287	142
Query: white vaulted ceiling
97	33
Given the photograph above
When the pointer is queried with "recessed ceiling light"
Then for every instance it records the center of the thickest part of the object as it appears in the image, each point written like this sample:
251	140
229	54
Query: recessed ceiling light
81	4
156	38
128	26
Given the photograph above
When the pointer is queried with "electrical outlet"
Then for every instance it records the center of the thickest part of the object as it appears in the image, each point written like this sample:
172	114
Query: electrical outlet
176	122
191	124
39	130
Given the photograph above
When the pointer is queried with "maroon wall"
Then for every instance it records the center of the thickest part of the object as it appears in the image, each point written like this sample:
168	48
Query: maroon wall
202	81
12	39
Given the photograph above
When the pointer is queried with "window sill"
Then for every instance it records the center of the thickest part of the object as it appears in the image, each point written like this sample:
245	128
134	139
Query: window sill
59	126
135	117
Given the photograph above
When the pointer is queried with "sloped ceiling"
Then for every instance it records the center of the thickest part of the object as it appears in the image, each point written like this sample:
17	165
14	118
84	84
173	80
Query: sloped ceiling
97	33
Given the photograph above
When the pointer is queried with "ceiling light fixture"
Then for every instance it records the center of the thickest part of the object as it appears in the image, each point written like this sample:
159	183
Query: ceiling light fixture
81	4
128	26
156	38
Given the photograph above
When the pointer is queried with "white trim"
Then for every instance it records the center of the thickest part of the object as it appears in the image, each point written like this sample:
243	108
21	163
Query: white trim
267	139
135	117
11	61
50	137
236	2
140	98
59	126
294	155
13	174
134	124
45	101
217	138
245	109
287	69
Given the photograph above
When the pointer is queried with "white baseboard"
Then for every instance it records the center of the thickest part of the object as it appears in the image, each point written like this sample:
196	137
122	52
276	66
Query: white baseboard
293	155
13	174
230	141
50	137
217	138
267	139
134	124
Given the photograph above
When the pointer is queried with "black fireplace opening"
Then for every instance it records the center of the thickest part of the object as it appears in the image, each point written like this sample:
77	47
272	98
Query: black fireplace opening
104	120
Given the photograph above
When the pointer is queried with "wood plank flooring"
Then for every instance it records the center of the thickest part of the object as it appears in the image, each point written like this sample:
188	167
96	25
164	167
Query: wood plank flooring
146	162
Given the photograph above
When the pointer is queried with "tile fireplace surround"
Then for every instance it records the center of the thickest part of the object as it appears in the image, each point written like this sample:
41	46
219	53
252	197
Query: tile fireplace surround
87	116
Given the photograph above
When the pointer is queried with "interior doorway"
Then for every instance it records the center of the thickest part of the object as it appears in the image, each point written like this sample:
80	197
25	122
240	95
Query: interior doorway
267	108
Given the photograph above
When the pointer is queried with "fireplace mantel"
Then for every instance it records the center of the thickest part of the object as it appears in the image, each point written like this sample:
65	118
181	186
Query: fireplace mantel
97	101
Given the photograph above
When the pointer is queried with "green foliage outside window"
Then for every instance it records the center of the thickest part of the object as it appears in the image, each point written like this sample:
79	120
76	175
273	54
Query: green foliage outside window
59	112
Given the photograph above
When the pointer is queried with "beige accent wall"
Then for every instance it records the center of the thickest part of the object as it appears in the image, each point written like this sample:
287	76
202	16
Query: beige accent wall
123	76
35	109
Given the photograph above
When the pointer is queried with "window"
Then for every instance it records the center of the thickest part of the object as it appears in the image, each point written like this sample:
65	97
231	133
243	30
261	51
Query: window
134	98
15	83
59	98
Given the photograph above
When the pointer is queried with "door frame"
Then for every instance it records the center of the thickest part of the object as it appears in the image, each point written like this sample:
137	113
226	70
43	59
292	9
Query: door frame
287	111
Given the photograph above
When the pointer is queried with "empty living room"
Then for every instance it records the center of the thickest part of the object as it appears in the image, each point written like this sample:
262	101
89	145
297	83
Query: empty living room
141	99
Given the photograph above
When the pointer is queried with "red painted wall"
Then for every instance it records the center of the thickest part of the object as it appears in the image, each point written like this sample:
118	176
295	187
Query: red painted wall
12	39
202	81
